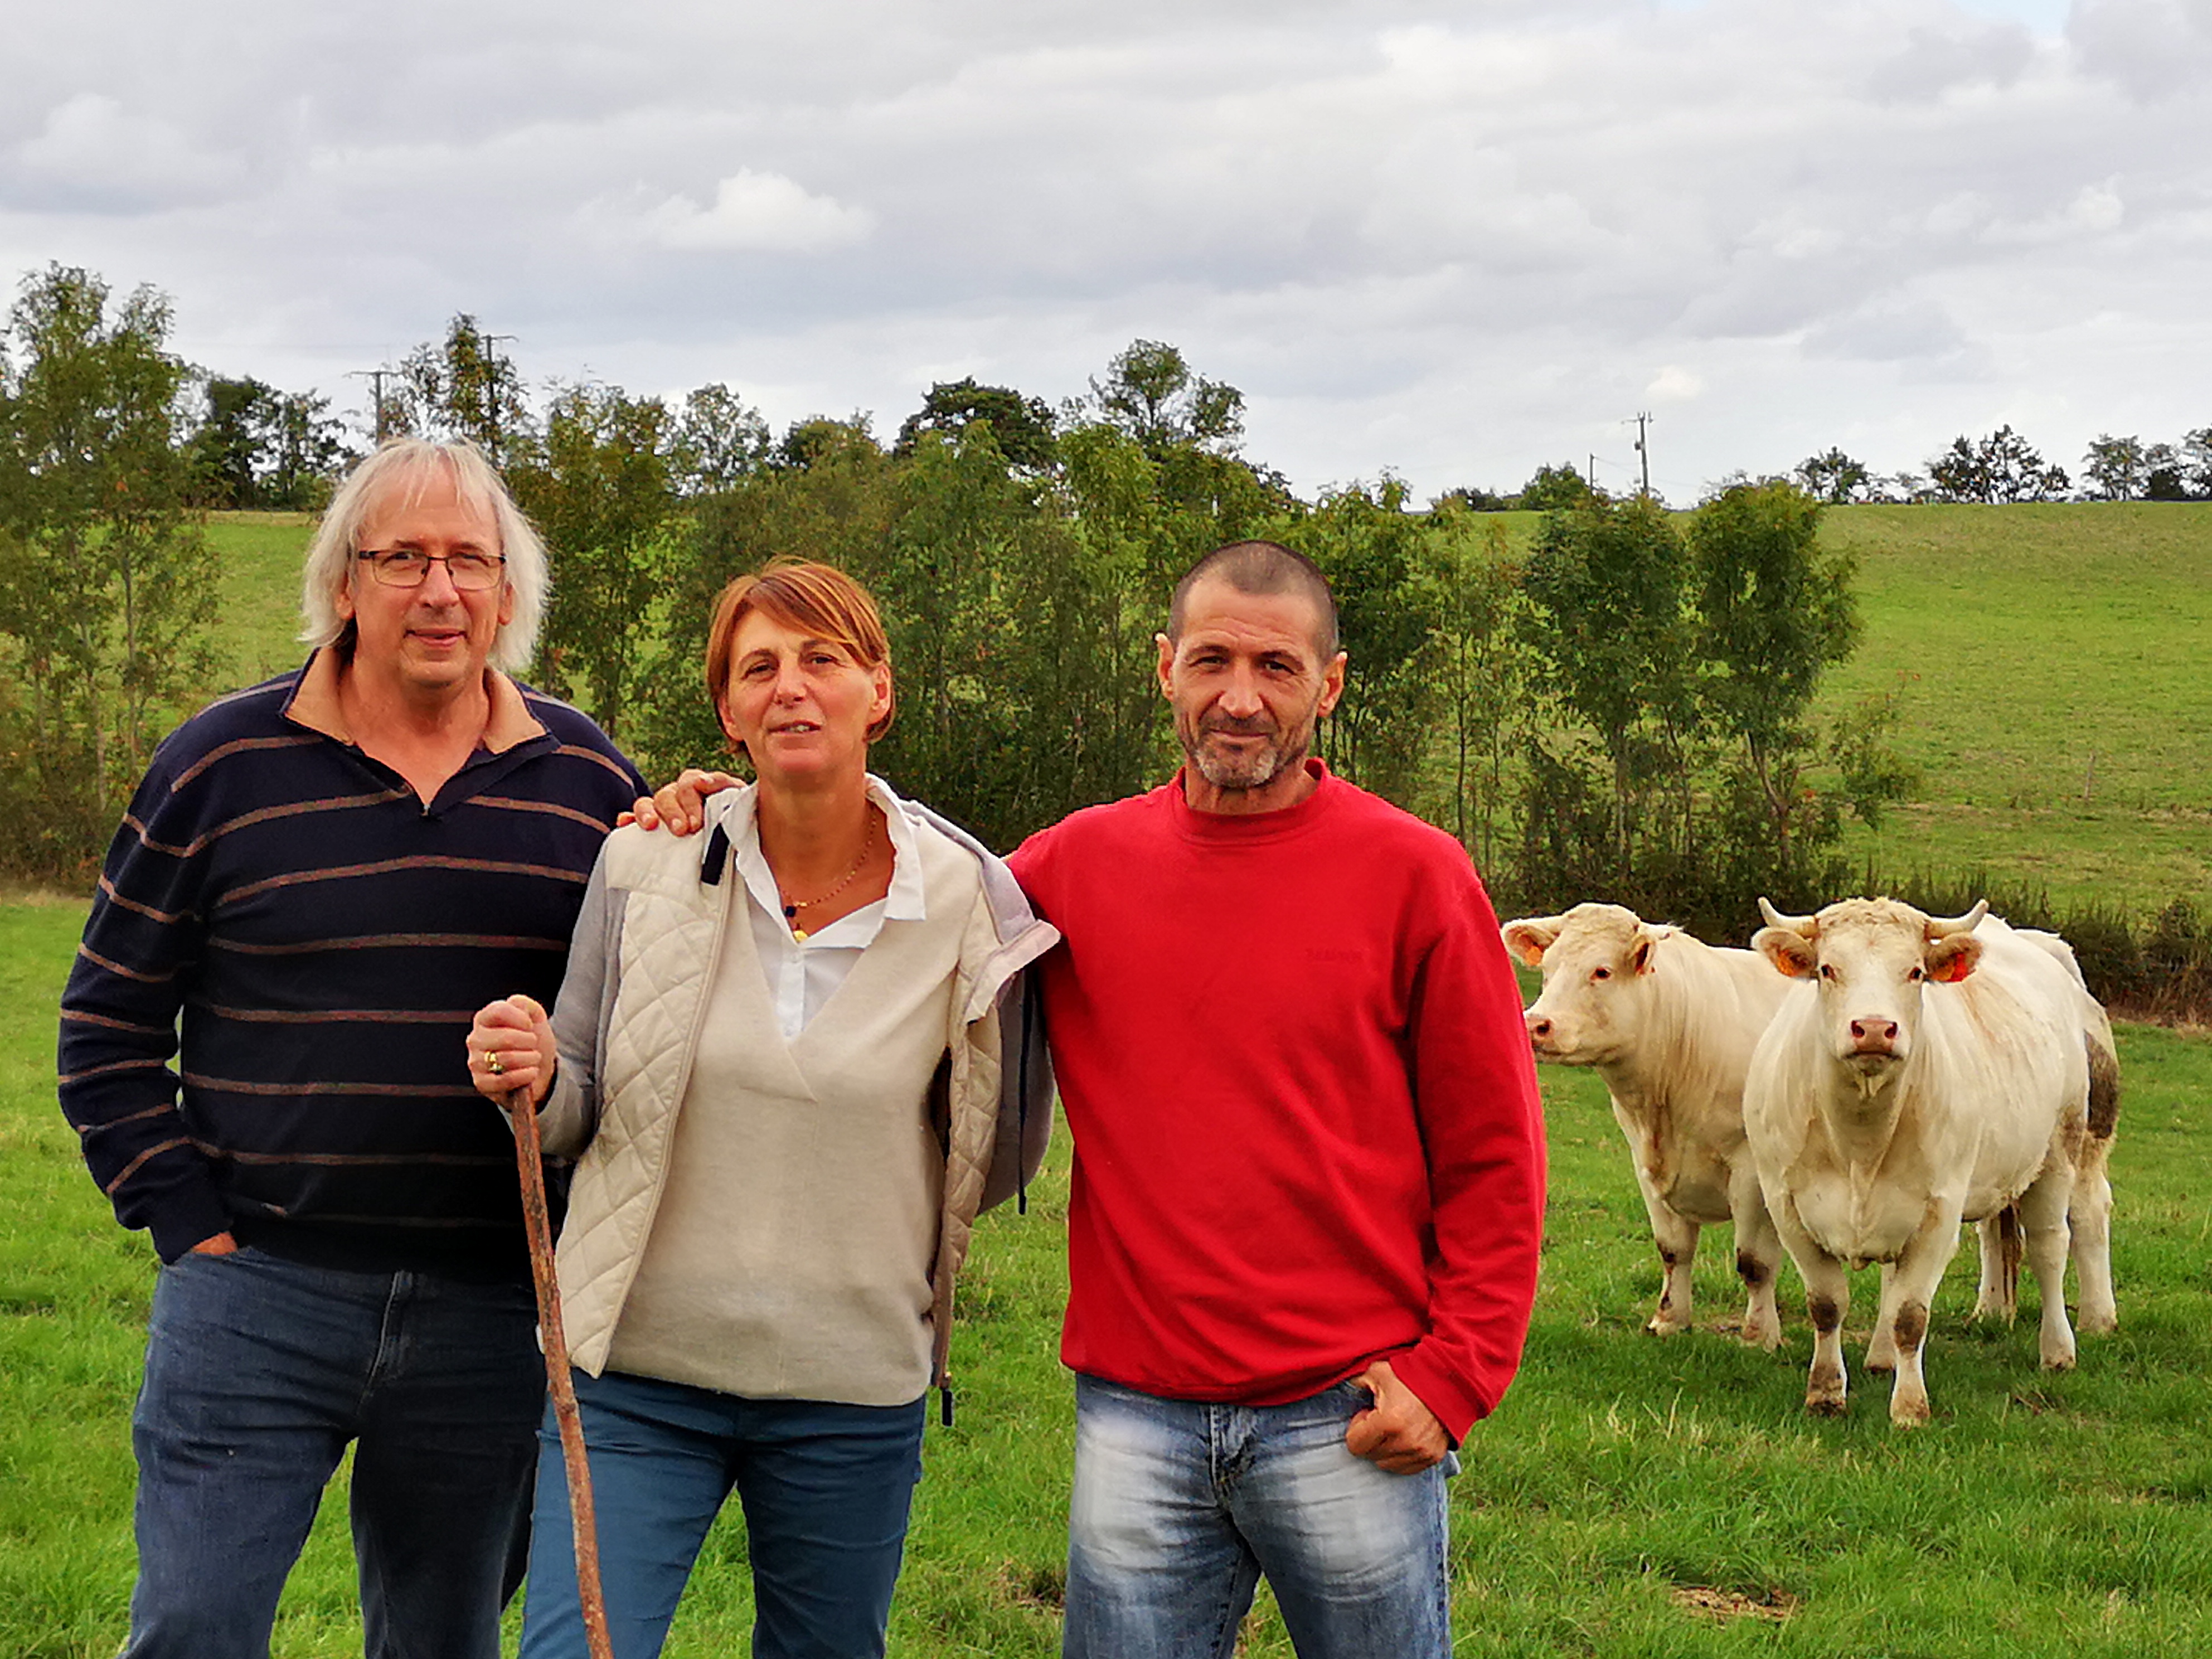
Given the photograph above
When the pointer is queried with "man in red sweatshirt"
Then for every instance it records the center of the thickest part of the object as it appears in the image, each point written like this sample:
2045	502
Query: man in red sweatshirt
1308	1177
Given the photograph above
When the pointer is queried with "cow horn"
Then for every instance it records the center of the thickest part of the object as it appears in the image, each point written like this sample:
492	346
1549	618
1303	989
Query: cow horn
1943	927
1801	925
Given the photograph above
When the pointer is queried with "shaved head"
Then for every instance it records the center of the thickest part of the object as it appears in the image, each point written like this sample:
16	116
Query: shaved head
1260	568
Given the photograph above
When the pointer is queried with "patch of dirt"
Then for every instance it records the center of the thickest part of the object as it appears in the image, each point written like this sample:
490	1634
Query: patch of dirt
1709	1603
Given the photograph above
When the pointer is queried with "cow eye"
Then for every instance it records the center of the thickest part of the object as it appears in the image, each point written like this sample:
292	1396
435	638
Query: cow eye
1827	972
1602	973
1916	973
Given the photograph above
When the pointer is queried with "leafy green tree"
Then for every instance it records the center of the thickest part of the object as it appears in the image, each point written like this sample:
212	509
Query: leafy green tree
1022	427
2003	467
2119	467
1370	548
2164	479
306	451
1834	477
1472	498
1774	613
229	447
721	441
1610	626
257	448
1554	489
817	437
2196	462
600	489
465	388
1481	668
1152	393
106	593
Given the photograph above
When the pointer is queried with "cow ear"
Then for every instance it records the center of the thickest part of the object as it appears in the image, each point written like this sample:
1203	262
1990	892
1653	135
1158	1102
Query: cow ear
1531	936
1950	960
1640	955
1786	948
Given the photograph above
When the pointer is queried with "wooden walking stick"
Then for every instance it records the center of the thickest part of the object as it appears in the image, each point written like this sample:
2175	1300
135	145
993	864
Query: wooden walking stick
538	1222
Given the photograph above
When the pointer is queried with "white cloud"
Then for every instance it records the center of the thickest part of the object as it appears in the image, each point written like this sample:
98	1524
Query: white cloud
1673	385
756	213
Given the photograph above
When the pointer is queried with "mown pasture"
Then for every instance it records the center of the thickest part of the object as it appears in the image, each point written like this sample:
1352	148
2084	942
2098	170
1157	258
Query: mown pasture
1633	1497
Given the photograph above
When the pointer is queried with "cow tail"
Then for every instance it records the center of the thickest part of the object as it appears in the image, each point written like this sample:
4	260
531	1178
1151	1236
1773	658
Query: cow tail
2103	1087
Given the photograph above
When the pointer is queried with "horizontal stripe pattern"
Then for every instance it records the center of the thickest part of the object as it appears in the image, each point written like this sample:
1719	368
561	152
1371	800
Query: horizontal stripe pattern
287	914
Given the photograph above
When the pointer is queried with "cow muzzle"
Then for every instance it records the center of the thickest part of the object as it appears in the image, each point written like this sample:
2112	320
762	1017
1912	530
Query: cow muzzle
1873	1042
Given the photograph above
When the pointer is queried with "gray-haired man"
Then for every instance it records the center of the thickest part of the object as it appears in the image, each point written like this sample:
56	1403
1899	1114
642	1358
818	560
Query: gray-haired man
320	879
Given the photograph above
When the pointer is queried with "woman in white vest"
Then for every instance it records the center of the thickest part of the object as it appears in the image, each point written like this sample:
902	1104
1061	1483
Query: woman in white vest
788	1063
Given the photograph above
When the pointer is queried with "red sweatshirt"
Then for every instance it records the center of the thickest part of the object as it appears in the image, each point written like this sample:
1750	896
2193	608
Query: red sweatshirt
1307	1132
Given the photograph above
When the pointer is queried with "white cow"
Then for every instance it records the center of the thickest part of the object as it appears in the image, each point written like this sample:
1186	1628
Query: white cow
1669	1023
1921	1073
2089	1216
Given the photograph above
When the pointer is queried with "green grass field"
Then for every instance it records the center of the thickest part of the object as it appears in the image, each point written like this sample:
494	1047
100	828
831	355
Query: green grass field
2054	671
1633	1497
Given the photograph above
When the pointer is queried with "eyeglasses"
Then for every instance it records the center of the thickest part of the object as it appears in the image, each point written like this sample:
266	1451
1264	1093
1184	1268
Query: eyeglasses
403	567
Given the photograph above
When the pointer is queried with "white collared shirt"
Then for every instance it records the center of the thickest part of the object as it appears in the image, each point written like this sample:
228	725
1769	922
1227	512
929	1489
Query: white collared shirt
802	974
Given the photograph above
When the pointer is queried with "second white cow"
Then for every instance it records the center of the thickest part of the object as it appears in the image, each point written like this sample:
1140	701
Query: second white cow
1923	1072
1669	1023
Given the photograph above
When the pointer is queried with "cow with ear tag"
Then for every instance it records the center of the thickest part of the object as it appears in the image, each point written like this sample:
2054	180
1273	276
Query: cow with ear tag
1669	1023
1923	1072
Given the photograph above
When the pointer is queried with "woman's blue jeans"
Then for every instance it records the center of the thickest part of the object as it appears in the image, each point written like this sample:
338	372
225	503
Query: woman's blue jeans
1179	1506
258	1372
826	1490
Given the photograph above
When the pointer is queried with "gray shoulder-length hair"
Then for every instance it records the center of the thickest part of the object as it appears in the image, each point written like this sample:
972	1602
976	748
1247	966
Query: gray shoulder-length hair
405	467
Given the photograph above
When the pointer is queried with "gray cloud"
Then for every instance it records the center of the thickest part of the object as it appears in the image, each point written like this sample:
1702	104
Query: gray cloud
1455	237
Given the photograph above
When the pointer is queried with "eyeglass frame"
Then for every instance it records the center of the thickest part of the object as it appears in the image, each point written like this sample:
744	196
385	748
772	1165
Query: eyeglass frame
375	556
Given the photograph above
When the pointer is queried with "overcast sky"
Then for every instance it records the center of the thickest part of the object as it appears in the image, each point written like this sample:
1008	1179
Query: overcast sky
1452	240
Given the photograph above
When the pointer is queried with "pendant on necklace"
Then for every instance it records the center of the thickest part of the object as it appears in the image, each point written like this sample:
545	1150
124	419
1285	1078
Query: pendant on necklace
799	934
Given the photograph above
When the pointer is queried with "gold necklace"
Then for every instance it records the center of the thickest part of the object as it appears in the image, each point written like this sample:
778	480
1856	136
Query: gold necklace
792	906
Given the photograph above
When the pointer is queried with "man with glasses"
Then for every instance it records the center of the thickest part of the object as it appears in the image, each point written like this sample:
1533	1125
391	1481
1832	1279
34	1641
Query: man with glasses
319	880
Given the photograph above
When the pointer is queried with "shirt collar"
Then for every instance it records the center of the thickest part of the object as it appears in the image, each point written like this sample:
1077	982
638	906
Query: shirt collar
314	704
907	901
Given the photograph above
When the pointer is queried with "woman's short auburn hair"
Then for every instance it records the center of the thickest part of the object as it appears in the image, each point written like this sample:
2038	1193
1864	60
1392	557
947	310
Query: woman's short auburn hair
820	601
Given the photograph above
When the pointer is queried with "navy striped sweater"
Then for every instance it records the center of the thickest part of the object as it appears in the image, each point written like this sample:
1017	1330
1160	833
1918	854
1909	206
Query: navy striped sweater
319	940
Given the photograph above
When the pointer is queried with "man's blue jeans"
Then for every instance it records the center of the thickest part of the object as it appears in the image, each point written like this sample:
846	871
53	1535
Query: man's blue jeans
258	1372
1179	1506
826	1488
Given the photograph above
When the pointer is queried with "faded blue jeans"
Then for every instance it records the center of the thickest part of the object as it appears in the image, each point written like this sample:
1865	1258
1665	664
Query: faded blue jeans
258	1372
826	1490
1179	1506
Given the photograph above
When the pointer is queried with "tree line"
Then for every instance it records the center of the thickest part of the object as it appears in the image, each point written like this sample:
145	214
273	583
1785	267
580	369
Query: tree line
1625	708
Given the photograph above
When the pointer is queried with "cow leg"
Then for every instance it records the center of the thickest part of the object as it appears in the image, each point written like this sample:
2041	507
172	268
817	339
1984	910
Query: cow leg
1911	1289
1758	1257
2043	1214
1998	1297
1828	1299
1882	1346
1677	1239
2089	1220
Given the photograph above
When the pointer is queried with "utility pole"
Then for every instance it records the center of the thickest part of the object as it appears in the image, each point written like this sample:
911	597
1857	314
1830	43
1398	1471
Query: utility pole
1642	449
375	377
1589	472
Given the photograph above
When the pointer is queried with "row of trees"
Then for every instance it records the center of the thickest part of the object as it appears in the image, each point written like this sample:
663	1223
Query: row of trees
1625	708
2003	467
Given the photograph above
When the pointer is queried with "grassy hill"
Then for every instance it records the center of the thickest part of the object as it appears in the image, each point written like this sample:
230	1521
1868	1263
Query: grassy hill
2053	669
2053	666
